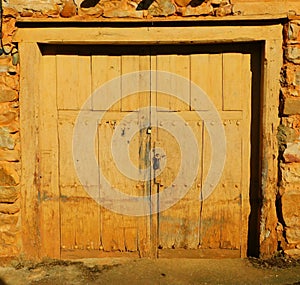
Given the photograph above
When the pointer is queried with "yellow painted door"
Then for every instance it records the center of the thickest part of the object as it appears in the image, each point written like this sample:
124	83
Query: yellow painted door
150	143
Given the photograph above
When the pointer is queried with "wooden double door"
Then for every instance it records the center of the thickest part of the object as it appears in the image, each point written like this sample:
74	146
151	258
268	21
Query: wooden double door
72	223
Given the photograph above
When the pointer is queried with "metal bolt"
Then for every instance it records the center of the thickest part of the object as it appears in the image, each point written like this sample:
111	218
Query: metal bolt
238	123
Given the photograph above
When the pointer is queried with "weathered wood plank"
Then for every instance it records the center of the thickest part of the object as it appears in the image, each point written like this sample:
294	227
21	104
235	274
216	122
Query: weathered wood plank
179	65
206	72
246	151
30	58
135	63
179	225
105	68
269	151
233	82
48	146
153	35
224	212
67	172
73	81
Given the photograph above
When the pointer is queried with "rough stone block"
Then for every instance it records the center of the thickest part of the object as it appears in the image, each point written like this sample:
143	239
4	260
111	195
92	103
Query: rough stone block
162	8
291	75
203	9
292	152
9	81
290	173
10	155
7	140
223	10
291	106
9	174
119	13
294	31
9	194
119	9
8	222
7	116
37	5
7	238
69	9
10	208
286	134
8	251
295	252
290	207
293	234
292	122
93	11
292	53
9	12
7	95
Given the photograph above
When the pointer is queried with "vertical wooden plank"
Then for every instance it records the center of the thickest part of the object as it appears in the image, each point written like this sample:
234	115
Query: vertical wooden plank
48	147
211	212
221	211
206	72
73	81
179	225
135	63
67	172
178	65
105	68
233	94
30	59
80	219
112	224
246	150
225	213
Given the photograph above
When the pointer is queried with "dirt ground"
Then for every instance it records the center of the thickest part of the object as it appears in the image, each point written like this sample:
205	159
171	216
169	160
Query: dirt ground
147	271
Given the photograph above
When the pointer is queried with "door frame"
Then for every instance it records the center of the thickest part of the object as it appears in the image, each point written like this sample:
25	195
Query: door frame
31	60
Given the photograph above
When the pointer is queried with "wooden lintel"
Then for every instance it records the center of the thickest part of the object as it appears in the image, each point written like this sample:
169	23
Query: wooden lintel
146	35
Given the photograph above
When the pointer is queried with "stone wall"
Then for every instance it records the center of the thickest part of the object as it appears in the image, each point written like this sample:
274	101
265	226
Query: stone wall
9	142
288	197
289	138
